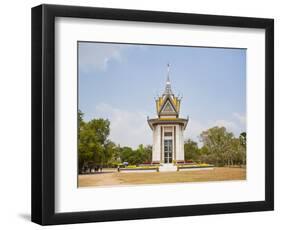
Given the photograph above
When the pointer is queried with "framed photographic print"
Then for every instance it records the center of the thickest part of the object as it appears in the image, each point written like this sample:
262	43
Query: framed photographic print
142	114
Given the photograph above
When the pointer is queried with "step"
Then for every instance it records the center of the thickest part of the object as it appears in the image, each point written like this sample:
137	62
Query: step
167	168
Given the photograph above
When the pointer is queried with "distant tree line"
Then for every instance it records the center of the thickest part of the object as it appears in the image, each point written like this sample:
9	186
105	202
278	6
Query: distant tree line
220	148
95	149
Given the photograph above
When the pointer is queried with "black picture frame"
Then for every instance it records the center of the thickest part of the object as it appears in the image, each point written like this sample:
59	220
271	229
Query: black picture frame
43	114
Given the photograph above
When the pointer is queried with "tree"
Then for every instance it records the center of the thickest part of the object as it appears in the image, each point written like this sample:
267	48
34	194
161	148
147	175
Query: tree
126	154
100	129
243	142
109	153
92	141
116	157
147	153
191	151
243	139
80	122
142	154
218	143
138	156
220	147
80	116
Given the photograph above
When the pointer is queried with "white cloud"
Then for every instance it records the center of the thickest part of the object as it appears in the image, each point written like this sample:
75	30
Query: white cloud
229	125
97	56
195	127
127	128
240	118
193	130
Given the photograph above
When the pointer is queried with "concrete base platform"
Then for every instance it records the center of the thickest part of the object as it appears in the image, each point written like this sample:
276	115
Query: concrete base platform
168	168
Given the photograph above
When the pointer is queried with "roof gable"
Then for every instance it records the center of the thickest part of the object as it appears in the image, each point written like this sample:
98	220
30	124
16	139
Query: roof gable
168	108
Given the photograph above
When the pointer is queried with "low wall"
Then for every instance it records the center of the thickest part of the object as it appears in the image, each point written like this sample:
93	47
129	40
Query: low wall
128	170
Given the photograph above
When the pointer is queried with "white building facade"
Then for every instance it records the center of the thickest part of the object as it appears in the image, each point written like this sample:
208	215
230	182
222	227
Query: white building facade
168	128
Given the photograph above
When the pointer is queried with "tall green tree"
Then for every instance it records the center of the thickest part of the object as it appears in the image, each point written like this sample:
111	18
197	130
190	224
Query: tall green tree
243	138
243	141
147	153
80	122
126	154
142	154
92	141
191	151
217	141
109	155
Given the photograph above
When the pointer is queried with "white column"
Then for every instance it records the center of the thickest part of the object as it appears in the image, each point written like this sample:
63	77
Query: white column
156	144
181	145
177	142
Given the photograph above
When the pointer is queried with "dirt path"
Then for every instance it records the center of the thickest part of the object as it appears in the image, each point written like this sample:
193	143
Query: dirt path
99	179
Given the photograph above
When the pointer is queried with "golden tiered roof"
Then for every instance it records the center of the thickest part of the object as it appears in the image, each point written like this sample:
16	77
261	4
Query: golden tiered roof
168	108
161	101
168	103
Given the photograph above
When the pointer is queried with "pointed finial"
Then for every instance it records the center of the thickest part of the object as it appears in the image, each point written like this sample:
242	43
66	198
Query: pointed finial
168	89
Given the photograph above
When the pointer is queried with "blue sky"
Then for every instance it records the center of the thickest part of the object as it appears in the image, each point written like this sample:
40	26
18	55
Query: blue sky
120	82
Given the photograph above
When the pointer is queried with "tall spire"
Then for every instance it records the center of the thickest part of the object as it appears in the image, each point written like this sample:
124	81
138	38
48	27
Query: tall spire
168	73
168	89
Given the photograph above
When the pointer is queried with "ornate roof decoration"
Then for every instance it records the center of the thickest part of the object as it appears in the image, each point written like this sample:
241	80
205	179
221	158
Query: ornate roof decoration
168	107
168	103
